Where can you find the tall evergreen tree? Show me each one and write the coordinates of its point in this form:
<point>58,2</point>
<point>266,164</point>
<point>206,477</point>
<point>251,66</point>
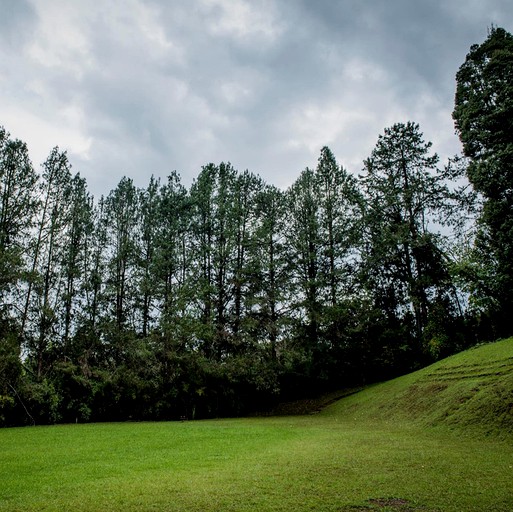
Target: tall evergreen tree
<point>95,267</point>
<point>406,195</point>
<point>203,214</point>
<point>18,201</point>
<point>483,115</point>
<point>223,255</point>
<point>221,209</point>
<point>305,244</point>
<point>339,211</point>
<point>43,293</point>
<point>172,267</point>
<point>268,276</point>
<point>122,210</point>
<point>323,231</point>
<point>149,199</point>
<point>339,205</point>
<point>79,226</point>
<point>246,188</point>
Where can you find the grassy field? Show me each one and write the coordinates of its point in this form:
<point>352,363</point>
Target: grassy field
<point>437,440</point>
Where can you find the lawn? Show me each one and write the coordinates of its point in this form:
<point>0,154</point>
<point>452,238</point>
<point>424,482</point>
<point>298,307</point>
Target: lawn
<point>291,463</point>
<point>378,450</point>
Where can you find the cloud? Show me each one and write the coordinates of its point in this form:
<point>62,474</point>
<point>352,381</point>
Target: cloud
<point>146,87</point>
<point>16,22</point>
<point>246,22</point>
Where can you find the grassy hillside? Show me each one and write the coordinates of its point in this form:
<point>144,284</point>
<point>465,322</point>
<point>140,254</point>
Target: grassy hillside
<point>470,391</point>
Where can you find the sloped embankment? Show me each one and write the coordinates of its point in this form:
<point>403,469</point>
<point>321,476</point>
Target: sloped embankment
<point>471,391</point>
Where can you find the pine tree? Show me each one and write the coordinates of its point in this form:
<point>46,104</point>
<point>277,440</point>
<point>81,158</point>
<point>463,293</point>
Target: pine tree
<point>78,229</point>
<point>268,271</point>
<point>122,211</point>
<point>18,203</point>
<point>42,298</point>
<point>406,194</point>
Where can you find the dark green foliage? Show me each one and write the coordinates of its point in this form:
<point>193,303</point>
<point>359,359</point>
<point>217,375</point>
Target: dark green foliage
<point>10,372</point>
<point>17,208</point>
<point>483,115</point>
<point>222,299</point>
<point>75,255</point>
<point>162,303</point>
<point>122,214</point>
<point>404,263</point>
<point>267,270</point>
<point>322,238</point>
<point>40,316</point>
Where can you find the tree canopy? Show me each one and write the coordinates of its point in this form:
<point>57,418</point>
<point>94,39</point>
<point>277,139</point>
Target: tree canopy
<point>483,115</point>
<point>231,295</point>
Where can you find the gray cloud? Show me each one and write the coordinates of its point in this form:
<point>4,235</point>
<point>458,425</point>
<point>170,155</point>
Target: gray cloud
<point>148,87</point>
<point>16,21</point>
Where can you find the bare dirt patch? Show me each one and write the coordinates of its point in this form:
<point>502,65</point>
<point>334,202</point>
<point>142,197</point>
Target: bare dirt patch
<point>386,505</point>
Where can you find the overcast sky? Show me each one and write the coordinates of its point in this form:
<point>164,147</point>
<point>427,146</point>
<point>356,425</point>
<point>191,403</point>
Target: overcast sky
<point>135,88</point>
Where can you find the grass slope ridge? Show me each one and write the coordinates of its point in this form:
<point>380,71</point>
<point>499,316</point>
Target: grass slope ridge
<point>471,391</point>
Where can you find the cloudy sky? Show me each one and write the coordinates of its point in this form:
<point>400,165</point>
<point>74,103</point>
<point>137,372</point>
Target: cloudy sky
<point>142,87</point>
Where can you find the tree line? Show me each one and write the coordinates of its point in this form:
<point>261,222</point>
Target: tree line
<point>228,296</point>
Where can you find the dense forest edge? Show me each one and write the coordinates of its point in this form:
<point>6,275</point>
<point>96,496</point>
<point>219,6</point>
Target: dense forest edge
<point>232,295</point>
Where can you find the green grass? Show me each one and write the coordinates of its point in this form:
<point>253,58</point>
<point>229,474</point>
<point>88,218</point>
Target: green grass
<point>405,445</point>
<point>470,392</point>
